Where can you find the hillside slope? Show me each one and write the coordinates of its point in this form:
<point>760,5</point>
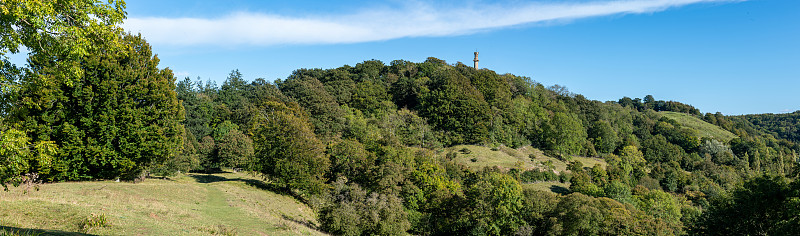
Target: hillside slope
<point>785,126</point>
<point>704,129</point>
<point>477,157</point>
<point>194,204</point>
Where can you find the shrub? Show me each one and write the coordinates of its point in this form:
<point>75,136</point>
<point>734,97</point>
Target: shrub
<point>94,221</point>
<point>536,175</point>
<point>451,155</point>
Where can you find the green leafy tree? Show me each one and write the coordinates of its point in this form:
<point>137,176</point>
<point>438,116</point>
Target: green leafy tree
<point>578,214</point>
<point>765,205</point>
<point>494,204</point>
<point>19,156</point>
<point>199,105</point>
<point>119,118</point>
<point>235,149</point>
<point>628,167</point>
<point>604,136</point>
<point>70,29</point>
<point>618,191</point>
<point>286,149</point>
<point>565,134</point>
<point>581,182</point>
<point>350,159</point>
<point>350,210</point>
<point>661,205</point>
<point>308,91</point>
<point>406,128</point>
<point>457,107</point>
<point>207,151</point>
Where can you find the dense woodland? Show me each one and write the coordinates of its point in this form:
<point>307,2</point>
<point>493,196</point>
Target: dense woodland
<point>363,145</point>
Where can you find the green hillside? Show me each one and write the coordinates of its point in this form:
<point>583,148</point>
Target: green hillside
<point>478,157</point>
<point>704,129</point>
<point>194,204</point>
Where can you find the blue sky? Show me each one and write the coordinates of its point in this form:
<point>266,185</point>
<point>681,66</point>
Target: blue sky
<point>735,57</point>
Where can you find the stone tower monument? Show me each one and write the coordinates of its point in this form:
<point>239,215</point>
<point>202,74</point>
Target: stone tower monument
<point>476,60</point>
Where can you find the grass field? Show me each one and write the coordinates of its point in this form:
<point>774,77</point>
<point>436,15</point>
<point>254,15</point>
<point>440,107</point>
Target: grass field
<point>552,186</point>
<point>704,129</point>
<point>506,158</point>
<point>194,204</point>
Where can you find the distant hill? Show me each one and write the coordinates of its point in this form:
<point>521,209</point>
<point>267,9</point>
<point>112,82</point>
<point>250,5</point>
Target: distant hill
<point>786,126</point>
<point>704,129</point>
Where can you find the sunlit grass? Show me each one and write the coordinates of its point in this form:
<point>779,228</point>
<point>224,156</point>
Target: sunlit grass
<point>704,129</point>
<point>195,204</point>
<point>506,158</point>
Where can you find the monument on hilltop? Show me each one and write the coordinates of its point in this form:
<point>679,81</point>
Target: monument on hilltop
<point>476,60</point>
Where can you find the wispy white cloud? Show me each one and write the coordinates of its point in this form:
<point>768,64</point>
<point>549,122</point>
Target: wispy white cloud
<point>416,19</point>
<point>181,74</point>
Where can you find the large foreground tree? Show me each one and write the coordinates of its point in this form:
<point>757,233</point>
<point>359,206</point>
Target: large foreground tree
<point>119,117</point>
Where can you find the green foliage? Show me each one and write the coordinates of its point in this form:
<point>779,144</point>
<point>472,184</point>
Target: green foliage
<point>350,210</point>
<point>71,29</point>
<point>582,183</point>
<point>286,149</point>
<point>582,215</point>
<point>780,125</point>
<point>627,168</point>
<point>658,149</point>
<point>207,152</point>
<point>604,136</point>
<point>494,203</point>
<point>530,176</point>
<point>326,115</point>
<point>764,205</point>
<point>719,152</point>
<point>187,160</point>
<point>235,149</point>
<point>455,105</point>
<point>200,108</point>
<point>95,221</point>
<point>618,191</point>
<point>660,205</point>
<point>14,152</point>
<point>538,206</point>
<point>408,129</point>
<point>119,118</point>
<point>351,160</point>
<point>565,134</point>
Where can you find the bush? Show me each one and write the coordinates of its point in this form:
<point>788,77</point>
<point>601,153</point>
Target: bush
<point>451,155</point>
<point>351,210</point>
<point>536,175</point>
<point>94,221</point>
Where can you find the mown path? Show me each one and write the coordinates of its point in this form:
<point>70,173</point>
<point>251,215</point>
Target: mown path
<point>219,209</point>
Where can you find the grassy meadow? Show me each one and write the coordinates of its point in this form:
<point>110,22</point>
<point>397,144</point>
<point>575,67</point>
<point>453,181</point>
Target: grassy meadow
<point>193,204</point>
<point>704,129</point>
<point>478,157</point>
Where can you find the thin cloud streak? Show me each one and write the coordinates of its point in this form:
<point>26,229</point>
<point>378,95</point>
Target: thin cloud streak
<point>416,19</point>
